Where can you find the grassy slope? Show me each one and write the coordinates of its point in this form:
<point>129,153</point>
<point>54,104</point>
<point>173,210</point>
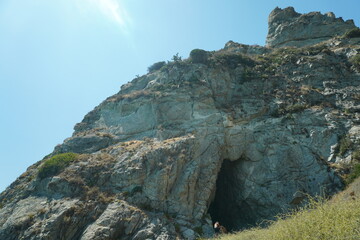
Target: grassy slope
<point>338,218</point>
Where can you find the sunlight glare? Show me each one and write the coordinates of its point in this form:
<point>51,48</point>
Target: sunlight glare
<point>113,10</point>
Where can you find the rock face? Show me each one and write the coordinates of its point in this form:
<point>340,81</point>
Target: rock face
<point>239,138</point>
<point>289,28</point>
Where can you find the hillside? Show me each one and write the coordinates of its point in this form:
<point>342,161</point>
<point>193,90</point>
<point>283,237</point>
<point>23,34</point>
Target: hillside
<point>337,218</point>
<point>237,135</point>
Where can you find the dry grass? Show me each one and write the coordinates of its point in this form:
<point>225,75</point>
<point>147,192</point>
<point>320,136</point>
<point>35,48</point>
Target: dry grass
<point>321,220</point>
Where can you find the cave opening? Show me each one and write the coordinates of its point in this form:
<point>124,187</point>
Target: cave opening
<point>228,207</point>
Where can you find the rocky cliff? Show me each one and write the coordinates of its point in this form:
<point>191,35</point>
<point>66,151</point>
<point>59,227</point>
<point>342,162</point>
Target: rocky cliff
<point>289,28</point>
<point>236,135</point>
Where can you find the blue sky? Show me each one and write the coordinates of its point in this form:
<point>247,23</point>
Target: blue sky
<point>61,58</point>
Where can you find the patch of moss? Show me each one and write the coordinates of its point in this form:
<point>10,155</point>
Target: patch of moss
<point>56,164</point>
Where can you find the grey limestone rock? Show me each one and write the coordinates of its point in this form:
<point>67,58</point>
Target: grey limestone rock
<point>238,139</point>
<point>289,28</point>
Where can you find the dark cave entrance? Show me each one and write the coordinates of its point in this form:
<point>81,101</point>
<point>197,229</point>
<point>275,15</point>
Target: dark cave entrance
<point>228,208</point>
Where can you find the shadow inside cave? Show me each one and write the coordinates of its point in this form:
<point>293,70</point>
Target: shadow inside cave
<point>228,207</point>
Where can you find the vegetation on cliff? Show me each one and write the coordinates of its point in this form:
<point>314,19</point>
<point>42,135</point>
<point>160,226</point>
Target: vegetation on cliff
<point>55,164</point>
<point>337,218</point>
<point>353,33</point>
<point>232,136</point>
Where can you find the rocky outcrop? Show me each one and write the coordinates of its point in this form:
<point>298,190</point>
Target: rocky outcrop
<point>239,138</point>
<point>289,28</point>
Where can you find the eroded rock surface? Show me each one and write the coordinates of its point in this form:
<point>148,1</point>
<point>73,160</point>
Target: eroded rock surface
<point>289,28</point>
<point>239,138</point>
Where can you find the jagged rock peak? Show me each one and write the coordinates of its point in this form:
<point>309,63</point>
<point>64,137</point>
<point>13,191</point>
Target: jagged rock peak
<point>290,28</point>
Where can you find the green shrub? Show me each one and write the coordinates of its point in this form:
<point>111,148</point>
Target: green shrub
<point>356,155</point>
<point>198,56</point>
<point>232,60</point>
<point>95,194</point>
<point>353,33</point>
<point>146,206</point>
<point>199,230</point>
<point>247,74</point>
<point>176,58</point>
<point>156,66</point>
<point>193,78</point>
<point>177,227</point>
<point>354,174</point>
<point>355,60</point>
<point>344,145</point>
<point>56,164</point>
